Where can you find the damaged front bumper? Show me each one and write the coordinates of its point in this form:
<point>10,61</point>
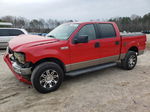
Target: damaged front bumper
<point>18,71</point>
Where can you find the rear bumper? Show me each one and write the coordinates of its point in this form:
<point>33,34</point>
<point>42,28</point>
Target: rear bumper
<point>15,70</point>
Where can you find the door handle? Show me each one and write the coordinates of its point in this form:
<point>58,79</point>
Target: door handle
<point>97,44</point>
<point>117,42</point>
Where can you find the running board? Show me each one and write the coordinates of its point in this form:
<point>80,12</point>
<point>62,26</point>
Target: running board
<point>90,69</point>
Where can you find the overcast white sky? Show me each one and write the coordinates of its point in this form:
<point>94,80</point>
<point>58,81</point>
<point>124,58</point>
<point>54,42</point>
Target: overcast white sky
<point>82,10</point>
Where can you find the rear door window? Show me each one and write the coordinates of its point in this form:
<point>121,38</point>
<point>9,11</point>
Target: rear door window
<point>14,32</point>
<point>106,30</point>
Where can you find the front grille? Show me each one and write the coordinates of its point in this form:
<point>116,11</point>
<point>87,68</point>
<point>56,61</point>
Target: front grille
<point>11,54</point>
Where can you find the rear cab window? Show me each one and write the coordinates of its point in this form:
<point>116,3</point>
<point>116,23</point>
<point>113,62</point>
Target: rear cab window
<point>106,30</point>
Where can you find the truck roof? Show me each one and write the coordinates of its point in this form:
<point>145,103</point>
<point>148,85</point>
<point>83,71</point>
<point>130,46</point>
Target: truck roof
<point>91,22</point>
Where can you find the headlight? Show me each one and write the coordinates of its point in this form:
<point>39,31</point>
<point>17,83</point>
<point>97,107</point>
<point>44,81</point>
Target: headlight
<point>20,57</point>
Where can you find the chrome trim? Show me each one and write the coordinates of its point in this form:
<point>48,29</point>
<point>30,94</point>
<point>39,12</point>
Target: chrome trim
<point>75,66</point>
<point>89,63</point>
<point>22,71</point>
<point>64,48</point>
<point>141,52</point>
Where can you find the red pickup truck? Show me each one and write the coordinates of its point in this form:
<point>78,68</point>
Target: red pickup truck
<point>71,49</point>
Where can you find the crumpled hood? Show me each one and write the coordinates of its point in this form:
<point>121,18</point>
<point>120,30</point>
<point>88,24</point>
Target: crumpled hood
<point>29,41</point>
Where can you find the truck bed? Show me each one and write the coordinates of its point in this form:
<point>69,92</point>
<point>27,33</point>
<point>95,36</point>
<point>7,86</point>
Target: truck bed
<point>131,34</point>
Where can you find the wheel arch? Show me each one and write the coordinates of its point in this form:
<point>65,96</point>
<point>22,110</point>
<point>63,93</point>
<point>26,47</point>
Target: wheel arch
<point>51,59</point>
<point>134,48</point>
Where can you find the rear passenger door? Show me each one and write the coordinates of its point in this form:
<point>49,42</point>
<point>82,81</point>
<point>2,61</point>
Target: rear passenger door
<point>109,42</point>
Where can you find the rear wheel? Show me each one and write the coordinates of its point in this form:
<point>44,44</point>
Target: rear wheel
<point>130,60</point>
<point>47,77</point>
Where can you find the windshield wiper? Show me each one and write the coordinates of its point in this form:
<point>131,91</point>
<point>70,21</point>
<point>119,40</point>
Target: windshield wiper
<point>51,36</point>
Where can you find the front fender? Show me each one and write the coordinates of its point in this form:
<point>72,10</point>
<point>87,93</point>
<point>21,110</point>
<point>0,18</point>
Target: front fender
<point>35,56</point>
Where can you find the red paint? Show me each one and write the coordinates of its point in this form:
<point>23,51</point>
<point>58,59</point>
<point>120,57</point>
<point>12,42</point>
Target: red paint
<point>19,77</point>
<point>37,48</point>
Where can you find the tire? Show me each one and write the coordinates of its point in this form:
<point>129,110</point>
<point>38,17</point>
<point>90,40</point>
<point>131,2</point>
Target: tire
<point>47,77</point>
<point>130,60</point>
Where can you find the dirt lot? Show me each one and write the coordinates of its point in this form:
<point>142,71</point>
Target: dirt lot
<point>109,90</point>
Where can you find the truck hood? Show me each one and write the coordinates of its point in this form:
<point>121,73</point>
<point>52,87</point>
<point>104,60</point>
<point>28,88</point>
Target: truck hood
<point>29,41</point>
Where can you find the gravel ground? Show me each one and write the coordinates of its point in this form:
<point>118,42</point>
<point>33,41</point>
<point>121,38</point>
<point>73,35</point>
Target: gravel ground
<point>108,90</point>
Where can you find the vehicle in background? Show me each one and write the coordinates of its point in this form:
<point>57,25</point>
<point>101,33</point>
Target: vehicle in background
<point>5,24</point>
<point>6,34</point>
<point>71,49</point>
<point>44,34</point>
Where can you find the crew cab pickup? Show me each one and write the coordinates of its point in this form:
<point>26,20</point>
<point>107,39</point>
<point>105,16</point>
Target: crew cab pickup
<point>71,49</point>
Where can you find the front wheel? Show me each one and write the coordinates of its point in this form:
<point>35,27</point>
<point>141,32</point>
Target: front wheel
<point>47,77</point>
<point>130,60</point>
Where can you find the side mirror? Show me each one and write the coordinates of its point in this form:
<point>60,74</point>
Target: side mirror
<point>81,39</point>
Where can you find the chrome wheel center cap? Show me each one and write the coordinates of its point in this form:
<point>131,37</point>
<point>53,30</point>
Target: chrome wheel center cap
<point>49,78</point>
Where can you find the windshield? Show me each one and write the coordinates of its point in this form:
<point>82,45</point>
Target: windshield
<point>63,31</point>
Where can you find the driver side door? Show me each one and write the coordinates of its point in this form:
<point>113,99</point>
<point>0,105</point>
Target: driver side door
<point>83,54</point>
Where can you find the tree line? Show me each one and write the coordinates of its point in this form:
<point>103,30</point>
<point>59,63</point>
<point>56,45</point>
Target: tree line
<point>34,25</point>
<point>134,23</point>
